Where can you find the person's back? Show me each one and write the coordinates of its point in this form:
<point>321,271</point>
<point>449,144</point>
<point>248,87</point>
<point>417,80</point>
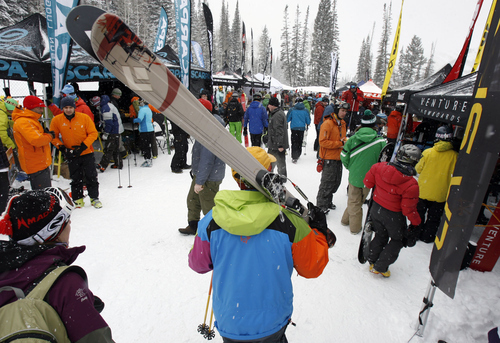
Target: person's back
<point>393,124</point>
<point>298,117</point>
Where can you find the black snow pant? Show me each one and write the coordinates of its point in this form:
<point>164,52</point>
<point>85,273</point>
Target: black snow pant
<point>112,151</point>
<point>297,139</point>
<point>256,139</point>
<point>4,190</point>
<point>179,160</point>
<point>388,241</point>
<point>331,176</point>
<point>429,226</point>
<point>82,170</point>
<point>146,141</point>
<point>278,337</point>
<point>316,141</point>
<point>41,179</point>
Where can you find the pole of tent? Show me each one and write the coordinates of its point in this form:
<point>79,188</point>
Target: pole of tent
<point>426,308</point>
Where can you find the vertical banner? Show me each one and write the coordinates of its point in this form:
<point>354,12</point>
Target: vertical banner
<point>251,33</point>
<point>475,165</point>
<point>243,48</point>
<point>56,12</point>
<point>161,35</point>
<point>458,67</point>
<point>394,54</point>
<point>266,57</point>
<point>271,62</point>
<point>333,72</point>
<point>183,25</point>
<point>209,22</point>
<point>483,40</point>
<point>198,52</point>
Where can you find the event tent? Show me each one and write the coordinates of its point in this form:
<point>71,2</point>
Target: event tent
<point>371,90</point>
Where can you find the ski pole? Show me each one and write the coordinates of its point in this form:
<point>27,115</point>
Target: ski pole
<point>119,179</point>
<point>210,332</point>
<point>202,328</point>
<point>129,185</point>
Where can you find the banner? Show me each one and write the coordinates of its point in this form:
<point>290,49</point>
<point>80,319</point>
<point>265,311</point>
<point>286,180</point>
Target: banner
<point>394,55</point>
<point>243,48</point>
<point>483,40</point>
<point>475,165</point>
<point>458,67</point>
<point>161,35</point>
<point>271,61</point>
<point>56,12</point>
<point>198,52</point>
<point>333,72</point>
<point>251,32</point>
<point>209,22</point>
<point>183,25</point>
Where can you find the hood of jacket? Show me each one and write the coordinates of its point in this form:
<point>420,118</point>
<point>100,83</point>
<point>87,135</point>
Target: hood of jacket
<point>300,106</point>
<point>244,213</point>
<point>255,104</point>
<point>25,113</point>
<point>366,134</point>
<point>442,146</point>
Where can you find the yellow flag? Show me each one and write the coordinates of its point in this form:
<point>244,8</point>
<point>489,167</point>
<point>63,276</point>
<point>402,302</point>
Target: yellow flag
<point>394,55</point>
<point>483,40</point>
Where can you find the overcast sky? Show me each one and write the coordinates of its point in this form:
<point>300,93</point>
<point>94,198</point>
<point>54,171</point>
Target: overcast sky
<point>442,22</point>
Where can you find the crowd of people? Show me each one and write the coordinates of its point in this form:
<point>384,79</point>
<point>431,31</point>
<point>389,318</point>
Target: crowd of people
<point>351,133</point>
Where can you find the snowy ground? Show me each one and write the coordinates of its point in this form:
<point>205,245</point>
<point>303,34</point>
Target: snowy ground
<point>136,261</point>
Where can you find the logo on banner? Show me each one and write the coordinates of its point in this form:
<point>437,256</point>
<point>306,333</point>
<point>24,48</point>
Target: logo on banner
<point>163,34</point>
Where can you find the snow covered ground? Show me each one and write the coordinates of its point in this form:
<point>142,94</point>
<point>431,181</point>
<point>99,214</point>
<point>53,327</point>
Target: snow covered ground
<point>136,261</point>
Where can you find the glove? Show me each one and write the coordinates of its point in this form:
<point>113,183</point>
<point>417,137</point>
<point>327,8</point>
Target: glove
<point>104,136</point>
<point>52,133</point>
<point>78,149</point>
<point>319,167</point>
<point>410,236</point>
<point>64,152</point>
<point>245,131</point>
<point>317,220</point>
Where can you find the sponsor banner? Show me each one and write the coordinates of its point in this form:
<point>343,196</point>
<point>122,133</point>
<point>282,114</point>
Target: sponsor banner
<point>394,55</point>
<point>161,35</point>
<point>183,25</point>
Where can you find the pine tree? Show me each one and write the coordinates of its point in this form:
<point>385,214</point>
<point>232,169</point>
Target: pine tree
<point>263,51</point>
<point>364,61</point>
<point>322,44</point>
<point>285,48</point>
<point>429,68</point>
<point>383,49</point>
<point>303,52</point>
<point>235,41</point>
<point>409,68</point>
<point>295,46</point>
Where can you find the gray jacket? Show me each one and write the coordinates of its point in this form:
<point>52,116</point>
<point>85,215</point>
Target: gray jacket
<point>277,130</point>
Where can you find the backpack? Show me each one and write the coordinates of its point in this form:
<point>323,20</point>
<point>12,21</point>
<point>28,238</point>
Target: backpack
<point>30,319</point>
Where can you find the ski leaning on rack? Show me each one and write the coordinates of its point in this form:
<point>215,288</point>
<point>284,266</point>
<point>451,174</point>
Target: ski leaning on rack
<point>125,55</point>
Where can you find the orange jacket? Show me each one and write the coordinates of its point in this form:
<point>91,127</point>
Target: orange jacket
<point>331,136</point>
<point>33,145</point>
<point>80,129</point>
<point>393,124</point>
<point>80,106</point>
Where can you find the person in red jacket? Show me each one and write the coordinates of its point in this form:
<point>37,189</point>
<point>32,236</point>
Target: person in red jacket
<point>318,114</point>
<point>394,123</point>
<point>395,196</point>
<point>355,98</point>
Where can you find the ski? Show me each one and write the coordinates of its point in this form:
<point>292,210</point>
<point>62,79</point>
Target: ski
<point>79,25</point>
<point>125,55</point>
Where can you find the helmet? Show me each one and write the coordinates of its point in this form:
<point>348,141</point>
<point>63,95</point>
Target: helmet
<point>399,108</point>
<point>220,88</point>
<point>444,133</point>
<point>344,105</point>
<point>408,154</point>
<point>95,101</point>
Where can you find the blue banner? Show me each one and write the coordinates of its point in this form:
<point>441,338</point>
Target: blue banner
<point>198,52</point>
<point>161,35</point>
<point>183,25</point>
<point>59,42</point>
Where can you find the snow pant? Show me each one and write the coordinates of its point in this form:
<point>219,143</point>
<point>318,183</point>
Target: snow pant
<point>277,337</point>
<point>112,151</point>
<point>82,170</point>
<point>331,176</point>
<point>256,139</point>
<point>154,145</point>
<point>297,138</point>
<point>352,120</point>
<point>203,201</point>
<point>429,226</point>
<point>146,139</point>
<point>235,129</point>
<point>353,214</point>
<point>179,160</point>
<point>316,141</point>
<point>41,179</point>
<point>4,190</point>
<point>388,241</point>
<point>280,161</point>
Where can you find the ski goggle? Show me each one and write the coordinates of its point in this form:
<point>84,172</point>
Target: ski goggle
<point>344,106</point>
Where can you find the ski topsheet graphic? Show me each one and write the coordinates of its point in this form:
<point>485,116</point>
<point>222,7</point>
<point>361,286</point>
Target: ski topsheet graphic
<point>130,61</point>
<point>79,24</point>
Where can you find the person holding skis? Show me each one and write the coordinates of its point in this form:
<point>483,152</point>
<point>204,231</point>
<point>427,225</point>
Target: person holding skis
<point>360,152</point>
<point>299,120</point>
<point>277,135</point>
<point>256,120</point>
<point>41,246</point>
<point>234,113</point>
<point>395,197</point>
<point>252,245</point>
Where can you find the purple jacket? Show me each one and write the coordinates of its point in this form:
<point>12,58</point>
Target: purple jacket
<point>69,295</point>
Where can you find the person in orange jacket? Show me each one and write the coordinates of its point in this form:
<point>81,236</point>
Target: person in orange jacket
<point>33,142</point>
<point>78,133</point>
<point>80,105</point>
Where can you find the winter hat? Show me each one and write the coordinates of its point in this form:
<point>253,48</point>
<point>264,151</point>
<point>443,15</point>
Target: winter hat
<point>10,104</point>
<point>257,97</point>
<point>67,101</point>
<point>325,99</point>
<point>116,91</point>
<point>274,102</point>
<point>368,119</point>
<point>206,103</point>
<point>260,155</point>
<point>68,89</point>
<point>299,100</point>
<point>36,217</point>
<point>95,100</point>
<point>31,102</point>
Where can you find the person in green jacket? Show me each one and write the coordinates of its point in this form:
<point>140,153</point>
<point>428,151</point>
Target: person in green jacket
<point>6,108</point>
<point>360,152</point>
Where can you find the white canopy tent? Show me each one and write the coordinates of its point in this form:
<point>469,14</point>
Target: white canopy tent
<point>371,90</point>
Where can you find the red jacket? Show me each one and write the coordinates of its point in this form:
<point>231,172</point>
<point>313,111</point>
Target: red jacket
<point>348,96</point>
<point>395,191</point>
<point>393,124</point>
<point>318,112</point>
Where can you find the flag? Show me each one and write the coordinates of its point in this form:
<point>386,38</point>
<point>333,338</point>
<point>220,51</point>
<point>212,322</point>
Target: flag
<point>394,54</point>
<point>183,25</point>
<point>198,52</point>
<point>458,67</point>
<point>333,72</point>
<point>483,40</point>
<point>243,48</point>
<point>209,22</point>
<point>475,165</point>
<point>161,35</point>
<point>56,12</point>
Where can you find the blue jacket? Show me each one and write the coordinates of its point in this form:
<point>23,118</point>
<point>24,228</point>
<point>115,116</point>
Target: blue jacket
<point>256,118</point>
<point>145,119</point>
<point>110,116</point>
<point>299,117</point>
<point>328,110</point>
